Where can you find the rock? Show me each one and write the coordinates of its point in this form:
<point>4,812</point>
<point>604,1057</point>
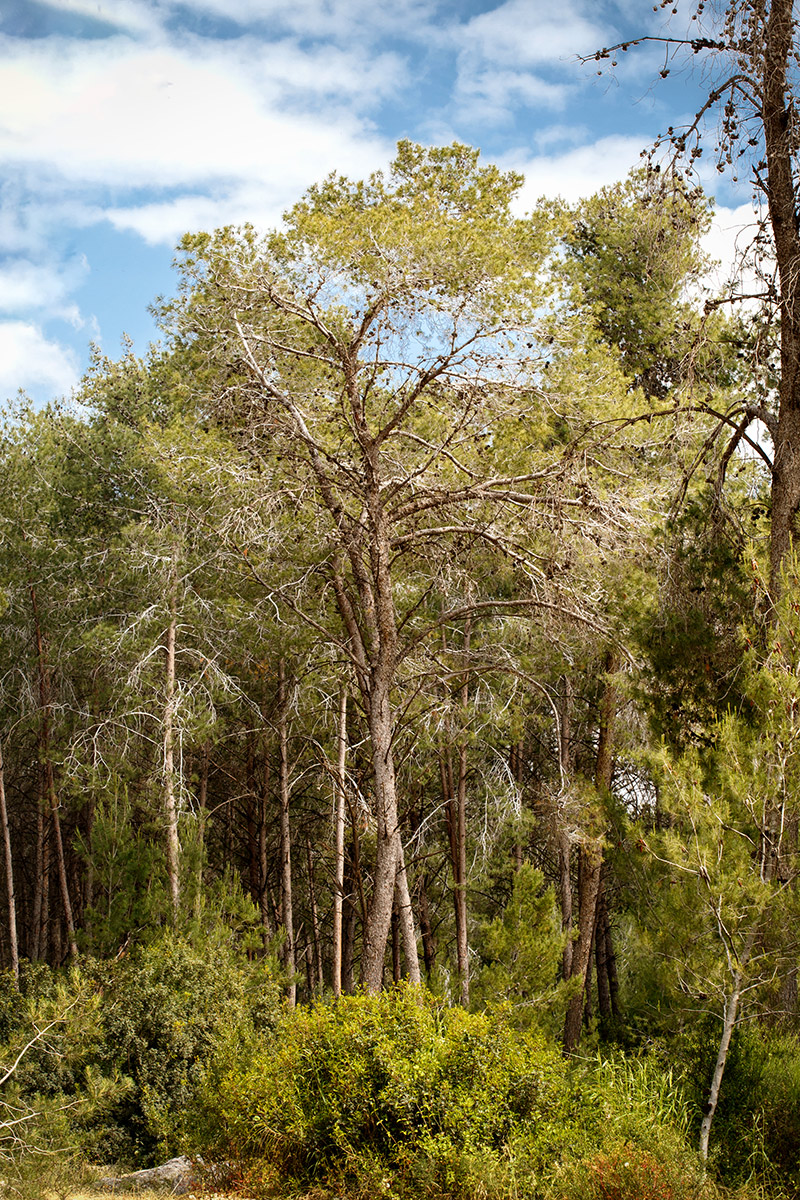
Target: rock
<point>177,1176</point>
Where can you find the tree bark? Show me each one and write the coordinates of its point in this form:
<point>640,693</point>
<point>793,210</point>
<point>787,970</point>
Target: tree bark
<point>266,922</point>
<point>286,850</point>
<point>406,918</point>
<point>45,701</point>
<point>312,900</point>
<point>564,844</point>
<point>782,201</point>
<point>170,803</point>
<point>590,865</point>
<point>9,864</point>
<point>460,861</point>
<point>339,822</point>
<point>379,915</point>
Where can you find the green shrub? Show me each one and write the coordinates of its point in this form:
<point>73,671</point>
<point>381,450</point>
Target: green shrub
<point>399,1095</point>
<point>391,1092</point>
<point>755,1136</point>
<point>167,1009</point>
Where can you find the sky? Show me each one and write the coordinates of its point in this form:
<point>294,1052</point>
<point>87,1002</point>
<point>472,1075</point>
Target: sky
<point>126,123</point>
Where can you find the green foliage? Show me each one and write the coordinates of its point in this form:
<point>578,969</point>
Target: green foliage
<point>395,1086</point>
<point>397,1094</point>
<point>757,1124</point>
<point>166,1010</point>
<point>633,248</point>
<point>522,951</point>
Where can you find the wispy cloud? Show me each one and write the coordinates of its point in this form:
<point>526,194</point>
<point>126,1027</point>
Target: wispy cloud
<point>578,172</point>
<point>114,113</point>
<point>507,56</point>
<point>33,363</point>
<point>27,286</point>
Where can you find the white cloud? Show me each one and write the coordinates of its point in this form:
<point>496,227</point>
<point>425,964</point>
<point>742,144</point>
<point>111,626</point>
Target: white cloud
<point>114,113</point>
<point>500,51</point>
<point>27,286</point>
<point>136,15</point>
<point>728,243</point>
<point>578,172</point>
<point>28,360</point>
<point>519,33</point>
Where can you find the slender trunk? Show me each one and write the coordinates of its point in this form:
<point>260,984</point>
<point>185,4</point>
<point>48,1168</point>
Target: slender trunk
<point>312,900</point>
<point>170,804</point>
<point>379,915</point>
<point>611,966</point>
<point>62,869</point>
<point>202,805</point>
<point>397,973</point>
<point>43,939</point>
<point>590,863</point>
<point>564,844</point>
<point>339,819</point>
<point>515,766</point>
<point>35,931</point>
<point>426,928</point>
<point>601,958</point>
<point>348,928</point>
<point>308,958</point>
<point>49,773</point>
<point>286,851</point>
<point>12,904</point>
<point>406,918</point>
<point>565,897</point>
<point>460,863</point>
<point>729,1017</point>
<point>778,125</point>
<point>266,922</point>
<point>252,823</point>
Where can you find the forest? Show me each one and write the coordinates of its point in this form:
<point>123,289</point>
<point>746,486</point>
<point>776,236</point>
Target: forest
<point>400,698</point>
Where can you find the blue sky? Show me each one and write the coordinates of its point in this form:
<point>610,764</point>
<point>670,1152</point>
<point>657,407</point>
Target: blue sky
<point>124,123</point>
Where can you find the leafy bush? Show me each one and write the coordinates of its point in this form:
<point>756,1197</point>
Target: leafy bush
<point>390,1092</point>
<point>166,1010</point>
<point>399,1095</point>
<point>756,1130</point>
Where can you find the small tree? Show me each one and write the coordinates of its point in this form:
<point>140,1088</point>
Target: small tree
<point>731,847</point>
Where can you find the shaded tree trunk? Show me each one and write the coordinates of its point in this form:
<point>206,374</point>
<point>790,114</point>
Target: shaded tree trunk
<point>286,850</point>
<point>9,865</point>
<point>170,803</point>
<point>339,823</point>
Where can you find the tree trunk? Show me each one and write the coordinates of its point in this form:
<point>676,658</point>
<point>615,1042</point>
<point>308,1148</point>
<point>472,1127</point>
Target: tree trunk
<point>12,903</point>
<point>348,928</point>
<point>590,863</point>
<point>286,850</point>
<point>460,861</point>
<point>266,922</point>
<point>339,820</point>
<point>49,773</point>
<point>406,917</point>
<point>379,915</point>
<point>397,973</point>
<point>782,205</point>
<point>564,844</point>
<point>170,804</point>
<point>312,900</point>
<point>426,928</point>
